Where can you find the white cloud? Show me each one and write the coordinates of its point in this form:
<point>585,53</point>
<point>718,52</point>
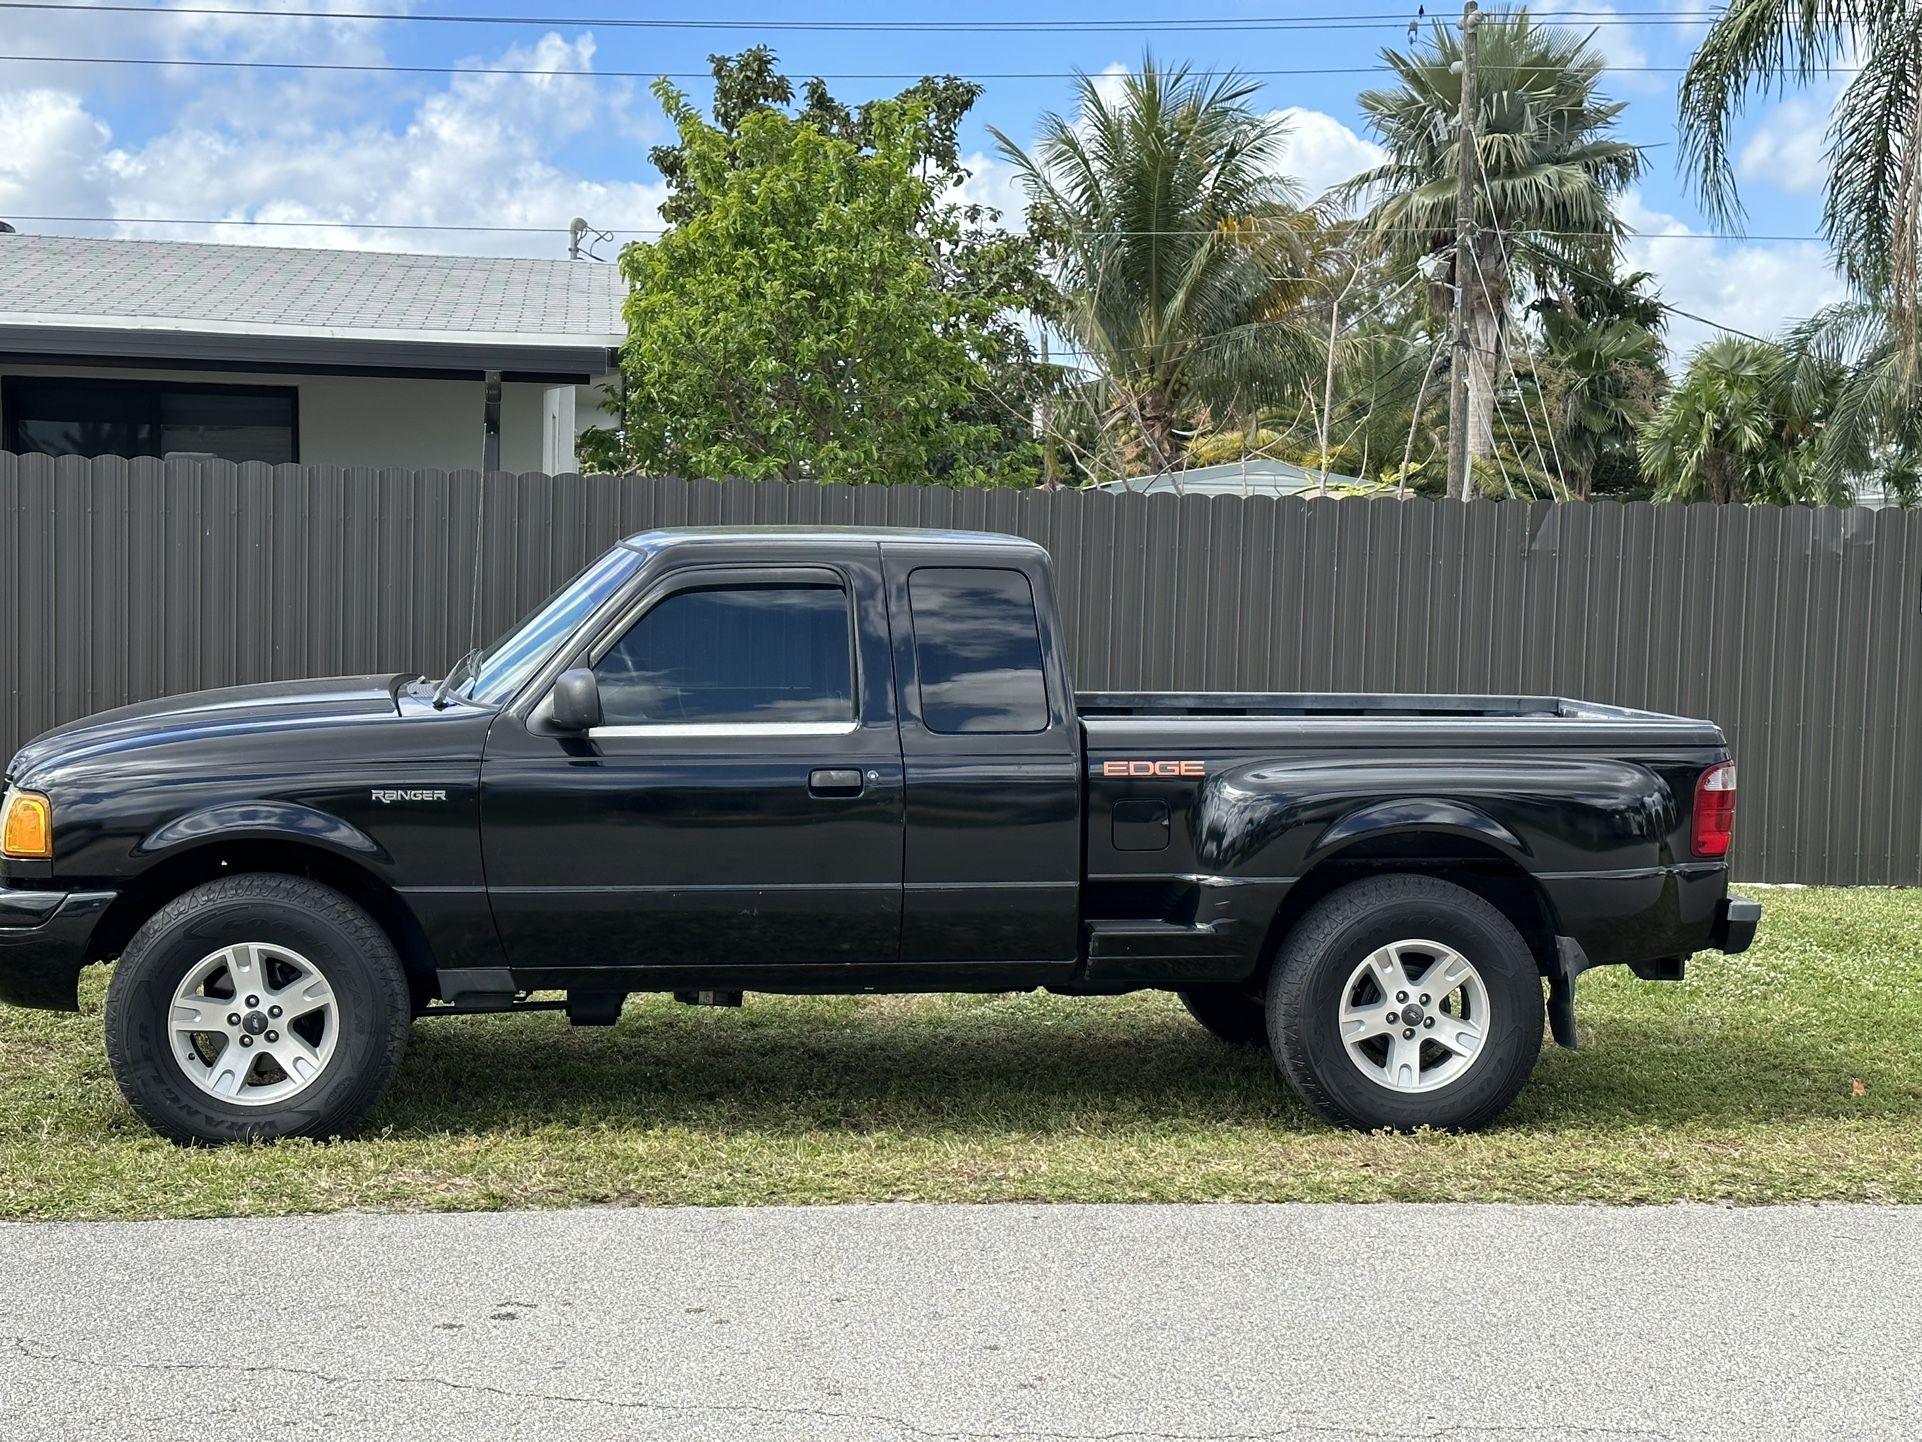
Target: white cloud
<point>1111,83</point>
<point>1322,152</point>
<point>1787,148</point>
<point>476,150</point>
<point>52,155</point>
<point>1755,287</point>
<point>992,182</point>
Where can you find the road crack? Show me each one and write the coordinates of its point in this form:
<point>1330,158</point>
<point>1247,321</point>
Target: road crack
<point>31,1350</point>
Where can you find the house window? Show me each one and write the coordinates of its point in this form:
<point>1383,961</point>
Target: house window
<point>82,416</point>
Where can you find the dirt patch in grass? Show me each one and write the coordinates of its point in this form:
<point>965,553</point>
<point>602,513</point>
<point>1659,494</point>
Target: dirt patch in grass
<point>1793,1072</point>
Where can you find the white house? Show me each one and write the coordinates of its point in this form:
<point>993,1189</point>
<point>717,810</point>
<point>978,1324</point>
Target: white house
<point>331,357</point>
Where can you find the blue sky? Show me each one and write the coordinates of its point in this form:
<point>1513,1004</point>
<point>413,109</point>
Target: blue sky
<point>136,143</point>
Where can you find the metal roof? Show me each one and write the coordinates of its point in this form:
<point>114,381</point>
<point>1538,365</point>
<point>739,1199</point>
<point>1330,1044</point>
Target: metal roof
<point>244,303</point>
<point>1259,476</point>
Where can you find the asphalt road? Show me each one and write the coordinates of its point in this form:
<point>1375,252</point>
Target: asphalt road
<point>912,1322</point>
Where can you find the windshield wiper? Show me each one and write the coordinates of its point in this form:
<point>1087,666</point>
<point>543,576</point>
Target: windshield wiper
<point>451,679</point>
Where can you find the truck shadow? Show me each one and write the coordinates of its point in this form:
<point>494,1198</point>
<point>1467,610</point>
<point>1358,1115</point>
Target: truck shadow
<point>962,1066</point>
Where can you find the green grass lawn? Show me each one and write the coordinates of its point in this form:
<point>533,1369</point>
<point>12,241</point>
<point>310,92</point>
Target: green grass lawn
<point>1793,1072</point>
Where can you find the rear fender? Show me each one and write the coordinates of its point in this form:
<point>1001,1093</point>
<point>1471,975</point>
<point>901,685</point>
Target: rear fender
<point>1416,815</point>
<point>1544,814</point>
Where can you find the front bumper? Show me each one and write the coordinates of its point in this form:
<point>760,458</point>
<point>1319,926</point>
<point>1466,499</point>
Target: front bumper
<point>46,937</point>
<point>1735,922</point>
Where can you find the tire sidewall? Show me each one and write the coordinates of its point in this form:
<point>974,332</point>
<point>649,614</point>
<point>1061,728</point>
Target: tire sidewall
<point>140,1041</point>
<point>1311,1035</point>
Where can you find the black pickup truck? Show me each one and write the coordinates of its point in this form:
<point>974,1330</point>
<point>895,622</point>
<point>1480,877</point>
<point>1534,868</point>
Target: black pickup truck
<point>814,760</point>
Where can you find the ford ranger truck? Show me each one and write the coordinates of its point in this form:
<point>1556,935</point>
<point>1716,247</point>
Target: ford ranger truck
<point>807,760</point>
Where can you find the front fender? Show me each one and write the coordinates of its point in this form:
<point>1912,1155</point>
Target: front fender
<point>260,821</point>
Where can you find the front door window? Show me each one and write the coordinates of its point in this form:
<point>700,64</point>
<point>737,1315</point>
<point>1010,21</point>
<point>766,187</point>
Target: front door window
<point>734,655</point>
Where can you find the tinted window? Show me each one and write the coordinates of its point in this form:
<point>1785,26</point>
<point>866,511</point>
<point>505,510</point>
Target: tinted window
<point>80,417</point>
<point>733,654</point>
<point>977,647</point>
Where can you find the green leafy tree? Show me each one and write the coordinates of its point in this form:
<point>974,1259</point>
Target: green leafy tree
<point>1742,425</point>
<point>1548,172</point>
<point>1176,247</point>
<point>823,307</point>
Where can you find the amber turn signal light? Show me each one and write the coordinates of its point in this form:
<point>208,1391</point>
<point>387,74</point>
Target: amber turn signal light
<point>26,827</point>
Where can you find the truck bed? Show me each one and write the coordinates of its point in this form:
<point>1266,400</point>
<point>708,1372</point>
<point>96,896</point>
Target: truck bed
<point>1343,703</point>
<point>1236,719</point>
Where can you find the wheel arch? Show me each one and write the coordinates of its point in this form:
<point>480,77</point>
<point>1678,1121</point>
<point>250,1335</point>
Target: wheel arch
<point>187,865</point>
<point>1467,860</point>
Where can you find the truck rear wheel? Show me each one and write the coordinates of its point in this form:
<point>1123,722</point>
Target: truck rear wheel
<point>1238,1015</point>
<point>256,1007</point>
<point>1403,1002</point>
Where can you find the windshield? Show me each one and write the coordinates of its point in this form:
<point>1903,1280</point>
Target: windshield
<point>505,666</point>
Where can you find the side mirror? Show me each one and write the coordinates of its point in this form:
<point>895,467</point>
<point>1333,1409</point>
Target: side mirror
<point>577,700</point>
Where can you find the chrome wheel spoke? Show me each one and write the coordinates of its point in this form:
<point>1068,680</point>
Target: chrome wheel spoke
<point>228,1073</point>
<point>244,967</point>
<point>1443,977</point>
<point>1460,1035</point>
<point>1361,1023</point>
<point>299,1060</point>
<point>1404,1062</point>
<point>302,997</point>
<point>1386,968</point>
<point>201,1013</point>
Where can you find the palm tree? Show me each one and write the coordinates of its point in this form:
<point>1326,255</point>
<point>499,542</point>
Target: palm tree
<point>1872,209</point>
<point>1175,233</point>
<point>1743,425</point>
<point>1600,371</point>
<point>1850,354</point>
<point>1547,174</point>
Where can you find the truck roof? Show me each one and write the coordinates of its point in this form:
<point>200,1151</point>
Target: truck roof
<point>775,535</point>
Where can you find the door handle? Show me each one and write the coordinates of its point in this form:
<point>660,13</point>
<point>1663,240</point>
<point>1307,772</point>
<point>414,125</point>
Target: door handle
<point>834,781</point>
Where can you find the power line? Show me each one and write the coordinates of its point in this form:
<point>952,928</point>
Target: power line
<point>1349,20</point>
<point>1564,261</point>
<point>369,68</point>
<point>384,69</point>
<point>320,223</point>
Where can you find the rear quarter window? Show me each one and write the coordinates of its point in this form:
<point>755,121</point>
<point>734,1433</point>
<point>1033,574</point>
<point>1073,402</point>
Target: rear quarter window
<point>977,650</point>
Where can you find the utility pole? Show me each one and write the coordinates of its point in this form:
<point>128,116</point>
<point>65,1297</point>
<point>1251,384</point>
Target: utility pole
<point>1048,482</point>
<point>1461,484</point>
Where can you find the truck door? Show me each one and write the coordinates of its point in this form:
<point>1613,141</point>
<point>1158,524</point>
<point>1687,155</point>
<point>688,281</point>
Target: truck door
<point>992,756</point>
<point>740,805</point>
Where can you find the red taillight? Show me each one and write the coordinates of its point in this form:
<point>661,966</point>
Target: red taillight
<point>1715,810</point>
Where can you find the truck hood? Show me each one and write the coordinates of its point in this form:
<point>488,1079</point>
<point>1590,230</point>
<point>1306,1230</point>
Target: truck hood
<point>272,706</point>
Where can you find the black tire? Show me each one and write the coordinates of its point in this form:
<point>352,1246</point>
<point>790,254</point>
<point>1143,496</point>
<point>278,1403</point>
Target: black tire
<point>1311,972</point>
<point>334,935</point>
<point>1237,1015</point>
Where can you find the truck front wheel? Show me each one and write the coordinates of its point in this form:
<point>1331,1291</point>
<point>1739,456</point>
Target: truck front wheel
<point>255,1007</point>
<point>1403,1002</point>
